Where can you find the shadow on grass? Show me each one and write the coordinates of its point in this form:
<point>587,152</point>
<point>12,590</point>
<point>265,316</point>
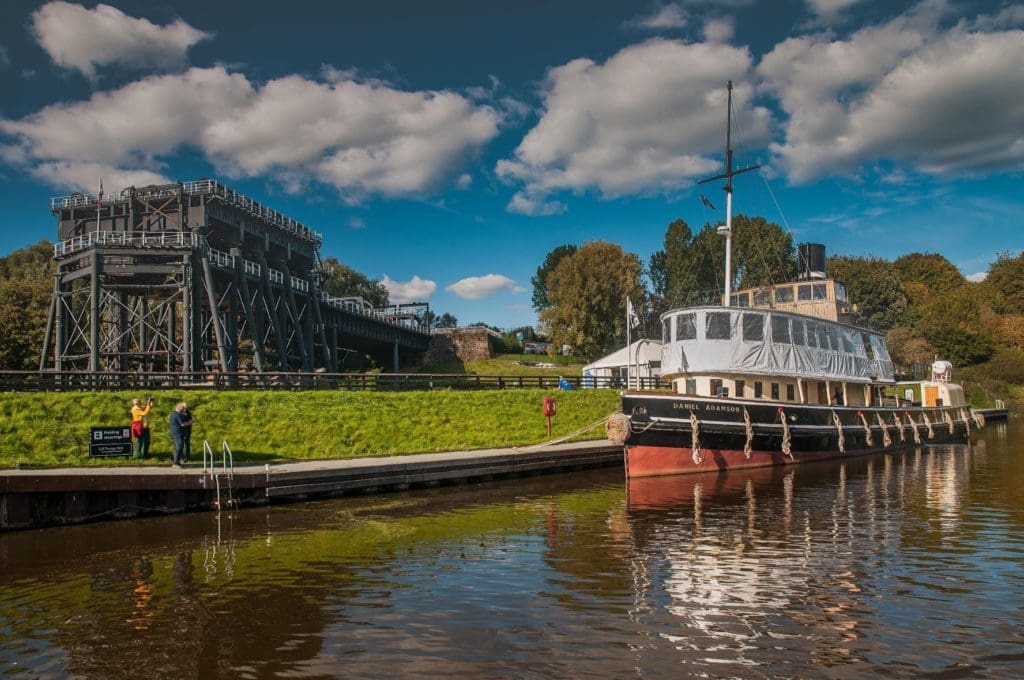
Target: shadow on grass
<point>449,367</point>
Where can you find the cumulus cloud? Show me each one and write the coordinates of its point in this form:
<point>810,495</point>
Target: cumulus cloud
<point>903,91</point>
<point>84,39</point>
<point>361,137</point>
<point>526,205</point>
<point>645,121</point>
<point>977,277</point>
<point>719,30</point>
<point>829,10</point>
<point>479,287</point>
<point>356,223</point>
<point>666,16</point>
<point>413,290</point>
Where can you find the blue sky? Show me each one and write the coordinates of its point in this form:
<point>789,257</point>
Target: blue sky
<point>446,147</point>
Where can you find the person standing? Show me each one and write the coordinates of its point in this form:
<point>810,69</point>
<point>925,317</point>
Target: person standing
<point>179,421</point>
<point>140,426</point>
<point>186,435</point>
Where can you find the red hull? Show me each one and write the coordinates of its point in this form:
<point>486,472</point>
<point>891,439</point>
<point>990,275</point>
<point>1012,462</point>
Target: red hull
<point>652,461</point>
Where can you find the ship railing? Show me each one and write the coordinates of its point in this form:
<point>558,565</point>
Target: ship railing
<point>132,239</point>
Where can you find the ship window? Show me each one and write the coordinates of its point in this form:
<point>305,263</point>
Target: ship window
<point>847,343</point>
<point>691,386</point>
<point>762,297</point>
<point>784,294</point>
<point>717,390</point>
<point>740,387</point>
<point>812,337</point>
<point>740,299</point>
<point>758,389</point>
<point>753,327</point>
<point>717,326</point>
<point>790,394</point>
<point>775,391</point>
<point>820,291</point>
<point>833,335</point>
<point>686,327</point>
<point>840,291</point>
<point>868,351</point>
<point>803,292</point>
<point>823,337</point>
<point>666,330</point>
<point>798,332</point>
<point>780,329</point>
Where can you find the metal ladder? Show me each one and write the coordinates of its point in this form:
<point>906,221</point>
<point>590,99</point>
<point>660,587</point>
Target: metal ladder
<point>227,471</point>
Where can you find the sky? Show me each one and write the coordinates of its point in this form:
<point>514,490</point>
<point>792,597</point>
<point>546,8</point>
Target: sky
<point>444,148</point>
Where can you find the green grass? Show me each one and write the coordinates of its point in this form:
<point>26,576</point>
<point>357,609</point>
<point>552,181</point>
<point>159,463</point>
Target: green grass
<point>52,429</point>
<point>510,364</point>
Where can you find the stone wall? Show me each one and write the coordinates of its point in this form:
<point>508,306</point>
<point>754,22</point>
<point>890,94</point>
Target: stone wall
<point>458,344</point>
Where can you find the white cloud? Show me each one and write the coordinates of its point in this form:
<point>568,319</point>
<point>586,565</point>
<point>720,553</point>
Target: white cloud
<point>719,30</point>
<point>977,277</point>
<point>361,137</point>
<point>413,290</point>
<point>356,223</point>
<point>666,16</point>
<point>464,181</point>
<point>647,120</point>
<point>829,10</point>
<point>84,39</point>
<point>903,91</point>
<point>479,287</point>
<point>525,205</point>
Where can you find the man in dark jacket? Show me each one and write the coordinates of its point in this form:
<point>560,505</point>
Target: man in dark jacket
<point>179,422</point>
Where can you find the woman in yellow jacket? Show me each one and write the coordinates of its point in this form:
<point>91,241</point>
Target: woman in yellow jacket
<point>140,426</point>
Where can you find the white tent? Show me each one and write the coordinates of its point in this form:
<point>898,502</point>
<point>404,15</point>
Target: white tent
<point>646,353</point>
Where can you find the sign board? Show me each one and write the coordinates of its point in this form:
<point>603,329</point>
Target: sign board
<point>105,442</point>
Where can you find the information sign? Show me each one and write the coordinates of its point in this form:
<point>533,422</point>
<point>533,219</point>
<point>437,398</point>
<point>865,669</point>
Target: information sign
<point>105,442</point>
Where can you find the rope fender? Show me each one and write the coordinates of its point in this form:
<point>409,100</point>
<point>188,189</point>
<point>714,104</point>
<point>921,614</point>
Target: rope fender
<point>979,418</point>
<point>886,439</point>
<point>868,438</point>
<point>787,446</point>
<point>967,421</point>
<point>948,417</point>
<point>928,423</point>
<point>749,429</point>
<point>695,439</point>
<point>913,425</point>
<point>899,424</point>
<point>839,428</point>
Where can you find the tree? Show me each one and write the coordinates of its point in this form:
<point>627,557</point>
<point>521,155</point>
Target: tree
<point>907,349</point>
<point>954,324</point>
<point>1006,276</point>
<point>343,281</point>
<point>587,293</point>
<point>925,275</point>
<point>446,320</point>
<point>689,270</point>
<point>540,279</point>
<point>873,288</point>
<point>26,287</point>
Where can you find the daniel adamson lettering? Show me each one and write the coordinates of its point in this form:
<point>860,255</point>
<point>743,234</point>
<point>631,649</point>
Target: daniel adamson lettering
<point>721,408</point>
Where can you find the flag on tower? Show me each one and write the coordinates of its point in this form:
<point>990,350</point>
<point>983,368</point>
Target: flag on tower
<point>705,201</point>
<point>631,314</point>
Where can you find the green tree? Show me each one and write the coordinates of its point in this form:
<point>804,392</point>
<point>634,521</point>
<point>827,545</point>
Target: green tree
<point>26,288</point>
<point>873,288</point>
<point>540,279</point>
<point>587,292</point>
<point>446,320</point>
<point>343,281</point>
<point>927,275</point>
<point>1006,276</point>
<point>763,253</point>
<point>955,325</point>
<point>907,349</point>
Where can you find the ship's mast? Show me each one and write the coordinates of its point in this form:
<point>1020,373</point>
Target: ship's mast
<point>727,176</point>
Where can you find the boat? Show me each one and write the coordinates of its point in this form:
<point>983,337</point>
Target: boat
<point>779,375</point>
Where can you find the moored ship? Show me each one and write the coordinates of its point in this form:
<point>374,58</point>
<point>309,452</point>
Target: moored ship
<point>779,375</point>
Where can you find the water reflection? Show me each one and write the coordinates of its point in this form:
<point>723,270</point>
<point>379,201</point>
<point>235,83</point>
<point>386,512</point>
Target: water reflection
<point>901,564</point>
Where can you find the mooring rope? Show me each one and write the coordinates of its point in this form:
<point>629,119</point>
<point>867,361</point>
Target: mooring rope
<point>899,424</point>
<point>913,425</point>
<point>886,439</point>
<point>567,437</point>
<point>839,428</point>
<point>749,429</point>
<point>787,446</point>
<point>868,438</point>
<point>695,439</point>
<point>928,424</point>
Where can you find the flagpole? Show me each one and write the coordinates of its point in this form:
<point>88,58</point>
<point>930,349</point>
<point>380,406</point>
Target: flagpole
<point>628,322</point>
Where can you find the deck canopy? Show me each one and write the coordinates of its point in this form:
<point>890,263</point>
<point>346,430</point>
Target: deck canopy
<point>729,340</point>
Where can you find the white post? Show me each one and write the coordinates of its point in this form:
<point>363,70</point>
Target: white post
<point>728,246</point>
<point>628,329</point>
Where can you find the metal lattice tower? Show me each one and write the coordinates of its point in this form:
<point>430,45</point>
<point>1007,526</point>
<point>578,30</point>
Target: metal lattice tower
<point>194,276</point>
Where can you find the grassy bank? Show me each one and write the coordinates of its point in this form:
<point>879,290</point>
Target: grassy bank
<point>513,364</point>
<point>52,429</point>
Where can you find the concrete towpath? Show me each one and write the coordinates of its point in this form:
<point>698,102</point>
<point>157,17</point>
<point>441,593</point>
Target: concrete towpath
<point>36,498</point>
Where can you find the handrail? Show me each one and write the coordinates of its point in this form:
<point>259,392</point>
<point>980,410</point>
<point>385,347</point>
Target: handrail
<point>207,450</point>
<point>225,457</point>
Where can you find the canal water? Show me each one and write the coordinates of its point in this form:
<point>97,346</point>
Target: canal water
<point>902,565</point>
